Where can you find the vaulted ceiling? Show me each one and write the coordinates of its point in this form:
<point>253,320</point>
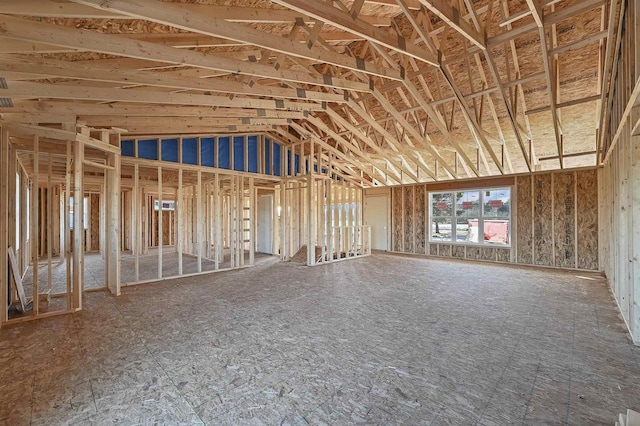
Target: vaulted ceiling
<point>416,90</point>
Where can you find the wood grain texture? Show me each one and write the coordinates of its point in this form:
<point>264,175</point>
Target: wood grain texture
<point>523,229</point>
<point>473,252</point>
<point>543,232</point>
<point>433,249</point>
<point>488,253</point>
<point>587,212</point>
<point>503,255</point>
<point>445,250</point>
<point>564,219</point>
<point>408,212</point>
<point>458,251</point>
<point>396,218</point>
<point>95,221</point>
<point>420,219</point>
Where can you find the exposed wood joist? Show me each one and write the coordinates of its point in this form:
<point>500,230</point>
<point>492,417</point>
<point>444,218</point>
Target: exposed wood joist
<point>205,22</point>
<point>22,29</point>
<point>343,20</point>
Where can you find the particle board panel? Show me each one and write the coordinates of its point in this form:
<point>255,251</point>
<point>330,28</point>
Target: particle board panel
<point>587,219</point>
<point>445,250</point>
<point>458,251</point>
<point>543,229</point>
<point>433,249</point>
<point>420,219</point>
<point>564,219</point>
<point>523,219</point>
<point>407,193</point>
<point>396,217</point>
<point>488,253</point>
<point>503,255</point>
<point>95,221</point>
<point>473,252</point>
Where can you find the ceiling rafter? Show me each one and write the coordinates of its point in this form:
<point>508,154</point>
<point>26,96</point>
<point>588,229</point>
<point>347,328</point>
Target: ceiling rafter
<point>22,29</point>
<point>550,75</point>
<point>208,23</point>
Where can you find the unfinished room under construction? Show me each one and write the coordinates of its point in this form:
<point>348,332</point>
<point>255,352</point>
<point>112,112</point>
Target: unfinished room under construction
<point>306,212</point>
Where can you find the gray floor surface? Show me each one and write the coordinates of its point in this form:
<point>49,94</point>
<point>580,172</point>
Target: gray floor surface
<point>379,340</point>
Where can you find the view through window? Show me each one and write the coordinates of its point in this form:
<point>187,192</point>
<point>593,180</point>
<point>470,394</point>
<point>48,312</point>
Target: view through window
<point>480,216</point>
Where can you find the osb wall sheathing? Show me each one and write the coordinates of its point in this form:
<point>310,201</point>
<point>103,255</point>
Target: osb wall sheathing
<point>542,219</point>
<point>420,219</point>
<point>587,219</point>
<point>409,210</point>
<point>523,231</point>
<point>564,219</point>
<point>94,210</point>
<point>396,218</point>
<point>562,205</point>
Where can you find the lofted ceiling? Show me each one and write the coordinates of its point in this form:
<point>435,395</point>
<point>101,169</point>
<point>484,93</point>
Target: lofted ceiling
<point>415,90</point>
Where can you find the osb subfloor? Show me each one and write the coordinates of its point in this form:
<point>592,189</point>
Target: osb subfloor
<point>381,340</point>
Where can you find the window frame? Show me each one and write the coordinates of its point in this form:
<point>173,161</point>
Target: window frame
<point>481,217</point>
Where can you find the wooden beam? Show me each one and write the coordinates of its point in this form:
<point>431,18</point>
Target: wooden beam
<point>51,68</point>
<point>550,76</point>
<point>22,29</point>
<point>26,90</point>
<point>452,16</point>
<point>84,109</point>
<point>208,23</point>
<point>343,20</point>
<point>55,9</point>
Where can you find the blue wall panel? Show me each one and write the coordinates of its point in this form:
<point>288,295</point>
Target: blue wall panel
<point>207,148</point>
<point>169,150</point>
<point>252,147</point>
<point>127,148</point>
<point>223,153</point>
<point>267,156</point>
<point>190,150</point>
<point>238,153</point>
<point>148,149</point>
<point>276,160</point>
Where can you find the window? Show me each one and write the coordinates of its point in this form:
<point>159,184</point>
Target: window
<point>471,217</point>
<point>166,205</point>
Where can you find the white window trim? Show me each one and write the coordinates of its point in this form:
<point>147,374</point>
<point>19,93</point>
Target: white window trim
<point>481,218</point>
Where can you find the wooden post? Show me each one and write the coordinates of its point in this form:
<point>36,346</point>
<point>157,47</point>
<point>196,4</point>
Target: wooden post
<point>49,226</point>
<point>179,218</point>
<point>113,218</point>
<point>4,224</point>
<point>251,222</point>
<point>35,220</point>
<point>137,228</point>
<point>200,230</point>
<point>217,221</point>
<point>67,228</point>
<point>311,219</point>
<point>78,225</point>
<point>159,222</point>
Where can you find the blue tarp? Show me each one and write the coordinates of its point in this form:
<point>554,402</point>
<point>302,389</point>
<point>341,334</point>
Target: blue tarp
<point>252,148</point>
<point>267,156</point>
<point>207,148</point>
<point>276,160</point>
<point>127,148</point>
<point>190,150</point>
<point>223,152</point>
<point>170,150</point>
<point>148,149</point>
<point>238,153</point>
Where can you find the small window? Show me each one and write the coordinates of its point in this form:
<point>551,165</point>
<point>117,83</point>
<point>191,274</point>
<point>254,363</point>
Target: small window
<point>475,217</point>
